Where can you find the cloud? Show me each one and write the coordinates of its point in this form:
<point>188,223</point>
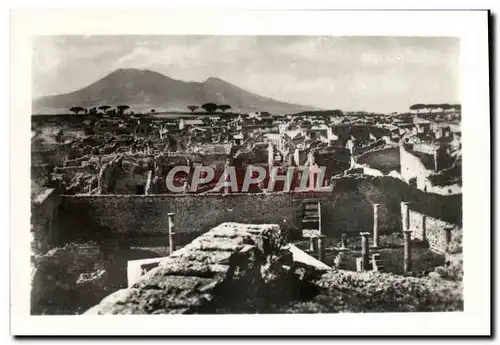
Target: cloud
<point>137,56</point>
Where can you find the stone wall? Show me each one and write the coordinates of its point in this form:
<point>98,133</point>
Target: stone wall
<point>347,208</point>
<point>372,146</point>
<point>68,172</point>
<point>53,156</point>
<point>130,174</point>
<point>92,216</point>
<point>384,160</point>
<point>54,284</point>
<point>72,278</point>
<point>40,177</point>
<point>432,230</point>
<point>413,168</point>
<point>353,196</point>
<point>44,220</point>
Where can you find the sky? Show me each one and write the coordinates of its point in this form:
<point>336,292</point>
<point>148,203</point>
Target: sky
<point>376,74</point>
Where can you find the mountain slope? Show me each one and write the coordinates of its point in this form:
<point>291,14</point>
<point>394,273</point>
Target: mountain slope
<point>145,89</point>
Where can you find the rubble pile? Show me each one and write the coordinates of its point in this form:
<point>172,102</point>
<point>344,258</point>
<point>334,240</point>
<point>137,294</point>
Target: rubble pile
<point>223,270</point>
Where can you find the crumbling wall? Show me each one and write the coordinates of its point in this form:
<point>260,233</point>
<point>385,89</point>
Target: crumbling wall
<point>335,161</point>
<point>72,278</point>
<point>228,263</point>
<point>384,160</point>
<point>52,157</point>
<point>56,284</point>
<point>131,173</point>
<point>107,175</point>
<point>68,172</point>
<point>40,177</point>
<point>373,146</point>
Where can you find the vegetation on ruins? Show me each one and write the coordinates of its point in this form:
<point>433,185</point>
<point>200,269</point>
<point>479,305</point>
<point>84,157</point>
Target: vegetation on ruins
<point>192,107</point>
<point>210,107</point>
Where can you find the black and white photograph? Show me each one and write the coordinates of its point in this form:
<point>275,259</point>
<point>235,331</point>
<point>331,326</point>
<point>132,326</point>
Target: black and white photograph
<point>256,174</point>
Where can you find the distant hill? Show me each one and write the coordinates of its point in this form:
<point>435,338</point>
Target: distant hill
<point>145,90</point>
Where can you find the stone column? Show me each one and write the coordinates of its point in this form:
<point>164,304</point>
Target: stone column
<point>171,233</point>
<point>313,244</point>
<point>405,213</point>
<point>365,251</point>
<point>436,160</point>
<point>344,241</point>
<point>447,236</point>
<point>375,225</point>
<point>407,251</point>
<point>321,248</point>
<point>319,218</point>
<point>424,227</point>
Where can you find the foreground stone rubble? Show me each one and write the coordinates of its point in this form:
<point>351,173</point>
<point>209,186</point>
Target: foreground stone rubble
<point>195,278</point>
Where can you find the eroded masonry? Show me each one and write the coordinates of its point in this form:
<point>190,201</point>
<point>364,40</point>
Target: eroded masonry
<point>381,231</point>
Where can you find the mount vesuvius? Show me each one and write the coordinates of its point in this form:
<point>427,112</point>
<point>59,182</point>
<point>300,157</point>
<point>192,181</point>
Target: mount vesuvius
<point>144,89</point>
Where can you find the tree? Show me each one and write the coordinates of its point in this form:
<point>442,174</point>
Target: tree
<point>224,107</point>
<point>76,110</point>
<point>417,107</point>
<point>193,108</point>
<point>153,111</point>
<point>104,108</point>
<point>337,112</point>
<point>444,107</point>
<point>210,107</point>
<point>432,107</point>
<point>121,109</point>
